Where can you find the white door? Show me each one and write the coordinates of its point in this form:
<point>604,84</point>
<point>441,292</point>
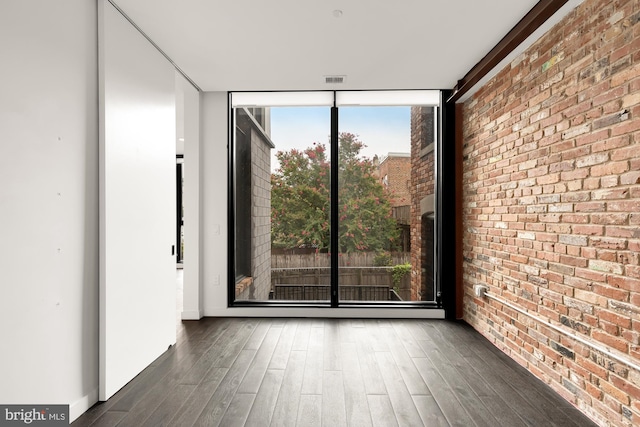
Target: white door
<point>137,197</point>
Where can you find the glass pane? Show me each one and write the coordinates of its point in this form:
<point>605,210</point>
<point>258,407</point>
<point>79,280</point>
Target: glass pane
<point>282,203</point>
<point>386,198</point>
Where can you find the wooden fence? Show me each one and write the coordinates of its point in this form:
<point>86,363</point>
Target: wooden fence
<point>317,260</point>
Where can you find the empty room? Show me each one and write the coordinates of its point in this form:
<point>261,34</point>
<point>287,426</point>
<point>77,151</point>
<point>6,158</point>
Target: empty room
<point>320,213</point>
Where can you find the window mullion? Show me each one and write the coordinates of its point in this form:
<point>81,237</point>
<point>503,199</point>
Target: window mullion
<point>334,208</point>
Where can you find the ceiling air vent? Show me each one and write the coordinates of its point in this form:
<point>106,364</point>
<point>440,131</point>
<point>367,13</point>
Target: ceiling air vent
<point>334,79</point>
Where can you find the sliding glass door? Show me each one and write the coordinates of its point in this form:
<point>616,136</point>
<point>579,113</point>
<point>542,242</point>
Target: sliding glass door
<point>333,198</point>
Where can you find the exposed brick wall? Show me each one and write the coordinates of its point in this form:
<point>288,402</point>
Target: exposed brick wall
<point>422,185</point>
<point>551,197</point>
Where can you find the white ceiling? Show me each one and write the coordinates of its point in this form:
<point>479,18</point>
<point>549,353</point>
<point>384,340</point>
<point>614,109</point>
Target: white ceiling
<point>293,44</point>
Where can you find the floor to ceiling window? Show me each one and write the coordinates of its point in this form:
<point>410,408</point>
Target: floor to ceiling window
<point>332,198</point>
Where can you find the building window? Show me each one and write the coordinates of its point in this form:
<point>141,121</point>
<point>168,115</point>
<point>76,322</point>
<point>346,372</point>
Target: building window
<point>324,202</point>
<point>428,129</point>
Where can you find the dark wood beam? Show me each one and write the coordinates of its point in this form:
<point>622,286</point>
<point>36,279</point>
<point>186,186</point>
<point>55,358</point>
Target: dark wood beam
<point>542,11</point>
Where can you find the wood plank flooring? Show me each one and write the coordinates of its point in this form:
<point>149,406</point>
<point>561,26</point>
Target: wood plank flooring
<point>333,372</point>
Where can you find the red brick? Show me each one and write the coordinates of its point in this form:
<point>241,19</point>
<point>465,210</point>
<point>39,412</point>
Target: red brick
<point>593,391</point>
<point>632,271</point>
<point>623,206</point>
<point>590,207</point>
<point>593,368</point>
<point>610,168</point>
<point>625,386</point>
<point>591,183</point>
<point>575,219</point>
<point>615,93</point>
<point>628,153</point>
<point>593,230</point>
<point>574,153</point>
<point>609,181</point>
<point>610,218</point>
<point>625,127</point>
<point>592,137</point>
<point>622,321</point>
<point>626,283</point>
<point>610,194</point>
<point>626,232</point>
<point>614,342</point>
<point>608,243</point>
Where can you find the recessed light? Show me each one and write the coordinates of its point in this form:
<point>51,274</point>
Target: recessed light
<point>337,13</point>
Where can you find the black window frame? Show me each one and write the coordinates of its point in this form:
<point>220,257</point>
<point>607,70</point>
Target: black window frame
<point>444,127</point>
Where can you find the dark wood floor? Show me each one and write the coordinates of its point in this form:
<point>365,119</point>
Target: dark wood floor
<point>307,372</point>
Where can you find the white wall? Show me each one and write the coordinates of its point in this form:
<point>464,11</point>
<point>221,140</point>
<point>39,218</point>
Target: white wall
<point>189,107</point>
<point>214,202</point>
<point>49,203</point>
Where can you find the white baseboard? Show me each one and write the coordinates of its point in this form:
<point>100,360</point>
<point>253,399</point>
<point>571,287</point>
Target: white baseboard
<point>81,405</point>
<point>192,315</point>
<point>361,312</point>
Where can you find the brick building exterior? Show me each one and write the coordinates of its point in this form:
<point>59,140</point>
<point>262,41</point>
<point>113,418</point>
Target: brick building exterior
<point>394,172</point>
<point>258,285</point>
<point>395,176</point>
<point>551,208</point>
<point>422,203</point>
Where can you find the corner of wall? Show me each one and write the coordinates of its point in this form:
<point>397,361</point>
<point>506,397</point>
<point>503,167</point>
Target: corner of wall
<point>83,404</point>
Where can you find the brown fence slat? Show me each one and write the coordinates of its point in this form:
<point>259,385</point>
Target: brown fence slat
<point>314,260</point>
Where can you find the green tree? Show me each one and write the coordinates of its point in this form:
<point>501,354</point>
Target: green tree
<point>300,200</point>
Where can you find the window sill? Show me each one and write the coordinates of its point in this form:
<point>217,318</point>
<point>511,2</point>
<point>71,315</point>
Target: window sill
<point>243,284</point>
<point>428,149</point>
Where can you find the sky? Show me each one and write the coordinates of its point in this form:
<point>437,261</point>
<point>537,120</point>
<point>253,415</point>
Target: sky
<point>381,129</point>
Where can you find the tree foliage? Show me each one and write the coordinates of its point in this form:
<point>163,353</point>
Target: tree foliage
<point>300,200</point>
